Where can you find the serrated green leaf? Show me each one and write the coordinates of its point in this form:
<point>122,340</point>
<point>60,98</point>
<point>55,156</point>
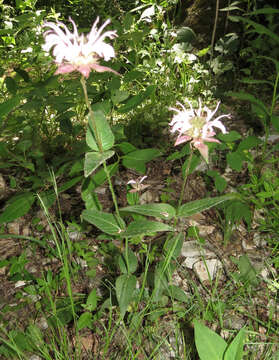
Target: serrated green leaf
<point>161,211</point>
<point>103,129</point>
<point>94,159</point>
<point>197,206</point>
<point>125,286</point>
<point>209,344</point>
<point>103,221</point>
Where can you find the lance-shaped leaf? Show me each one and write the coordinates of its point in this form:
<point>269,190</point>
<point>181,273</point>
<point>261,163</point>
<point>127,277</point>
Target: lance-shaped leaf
<point>197,206</point>
<point>94,159</point>
<point>125,287</point>
<point>103,129</point>
<point>161,211</point>
<point>103,221</point>
<point>145,227</point>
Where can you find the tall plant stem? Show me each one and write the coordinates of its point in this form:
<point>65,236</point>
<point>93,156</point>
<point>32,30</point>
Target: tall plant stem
<point>185,178</point>
<point>214,30</point>
<point>100,147</point>
<point>267,126</point>
<point>91,115</point>
<point>114,199</point>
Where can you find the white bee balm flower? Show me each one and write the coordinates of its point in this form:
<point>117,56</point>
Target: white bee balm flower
<point>196,126</point>
<point>74,52</point>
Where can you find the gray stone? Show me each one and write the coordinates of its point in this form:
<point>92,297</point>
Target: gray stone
<point>207,270</point>
<point>192,251</point>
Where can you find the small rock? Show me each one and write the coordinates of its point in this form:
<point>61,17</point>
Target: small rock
<point>148,197</point>
<point>14,227</point>
<point>42,323</point>
<point>74,235</point>
<point>81,262</point>
<point>265,274</point>
<point>26,231</point>
<point>31,269</point>
<point>208,271</point>
<point>100,190</point>
<point>259,241</point>
<point>248,245</point>
<point>33,298</point>
<point>233,321</point>
<point>3,270</point>
<point>225,334</point>
<point>35,357</point>
<point>20,283</point>
<point>192,251</point>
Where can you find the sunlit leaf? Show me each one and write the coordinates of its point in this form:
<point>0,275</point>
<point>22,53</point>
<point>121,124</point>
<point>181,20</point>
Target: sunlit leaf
<point>94,159</point>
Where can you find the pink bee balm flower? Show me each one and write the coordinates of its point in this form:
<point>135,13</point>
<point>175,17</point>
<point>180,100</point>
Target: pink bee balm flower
<point>74,52</point>
<point>196,126</point>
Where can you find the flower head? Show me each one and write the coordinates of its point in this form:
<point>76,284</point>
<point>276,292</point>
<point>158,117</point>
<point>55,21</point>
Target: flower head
<point>74,52</point>
<point>196,126</point>
<point>137,184</point>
